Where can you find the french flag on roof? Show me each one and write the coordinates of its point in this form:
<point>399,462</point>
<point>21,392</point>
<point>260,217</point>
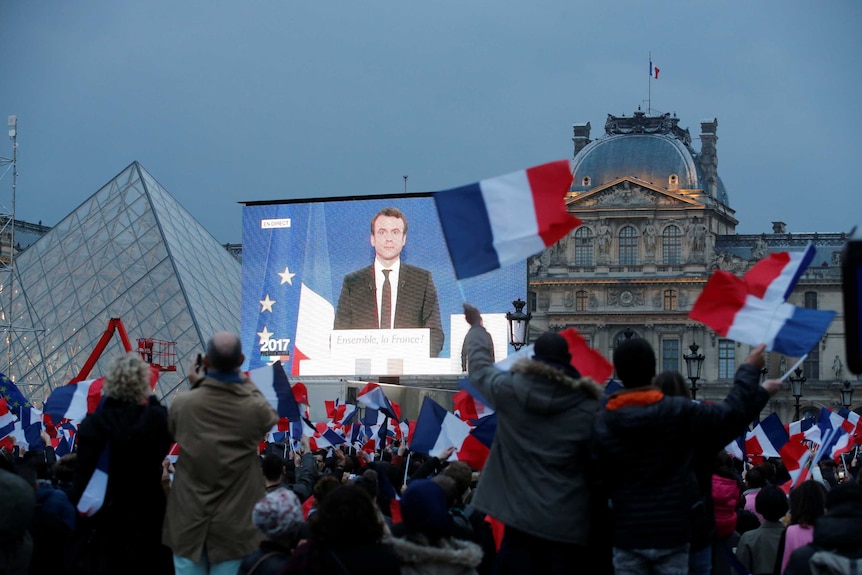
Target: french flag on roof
<point>74,401</point>
<point>94,494</point>
<point>503,220</point>
<point>753,309</point>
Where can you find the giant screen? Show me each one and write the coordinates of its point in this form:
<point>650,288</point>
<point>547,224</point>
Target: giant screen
<point>309,298</point>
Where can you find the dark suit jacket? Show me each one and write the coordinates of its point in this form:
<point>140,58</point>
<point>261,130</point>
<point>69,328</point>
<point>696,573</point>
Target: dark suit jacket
<point>416,307</point>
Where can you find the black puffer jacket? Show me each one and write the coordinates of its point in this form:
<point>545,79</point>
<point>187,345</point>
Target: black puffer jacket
<point>644,443</point>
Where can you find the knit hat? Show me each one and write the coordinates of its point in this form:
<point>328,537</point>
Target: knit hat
<point>552,346</point>
<point>277,514</point>
<point>425,510</point>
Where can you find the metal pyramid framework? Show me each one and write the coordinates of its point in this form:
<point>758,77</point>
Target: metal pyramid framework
<point>130,251</point>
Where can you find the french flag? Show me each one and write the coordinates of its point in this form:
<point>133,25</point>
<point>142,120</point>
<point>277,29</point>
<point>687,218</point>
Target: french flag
<point>7,420</point>
<point>468,408</point>
<point>797,429</point>
<point>736,448</point>
<point>504,220</point>
<point>94,494</point>
<point>340,413</point>
<point>173,452</point>
<point>436,429</point>
<point>74,401</point>
<point>854,420</point>
<point>773,440</point>
<point>275,387</point>
<point>835,434</point>
<point>753,309</point>
<point>316,312</point>
<point>588,361</point>
<point>372,396</point>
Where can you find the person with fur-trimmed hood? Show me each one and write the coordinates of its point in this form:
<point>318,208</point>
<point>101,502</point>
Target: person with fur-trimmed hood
<point>534,480</point>
<point>427,545</point>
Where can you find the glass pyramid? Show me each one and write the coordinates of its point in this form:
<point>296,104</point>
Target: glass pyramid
<point>132,252</point>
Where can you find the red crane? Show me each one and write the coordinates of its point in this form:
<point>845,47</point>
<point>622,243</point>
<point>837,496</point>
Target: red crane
<point>160,354</point>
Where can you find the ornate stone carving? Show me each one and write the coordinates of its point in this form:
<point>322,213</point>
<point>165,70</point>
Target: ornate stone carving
<point>625,297</point>
<point>569,299</point>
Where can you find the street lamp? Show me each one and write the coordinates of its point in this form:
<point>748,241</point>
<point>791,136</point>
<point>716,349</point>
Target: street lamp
<point>693,365</point>
<point>847,394</point>
<point>796,388</point>
<point>518,323</point>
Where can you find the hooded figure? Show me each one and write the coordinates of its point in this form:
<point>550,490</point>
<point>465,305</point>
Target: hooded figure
<point>534,479</point>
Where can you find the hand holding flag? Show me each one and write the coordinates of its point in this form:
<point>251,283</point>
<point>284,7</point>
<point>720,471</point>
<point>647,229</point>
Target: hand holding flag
<point>753,309</point>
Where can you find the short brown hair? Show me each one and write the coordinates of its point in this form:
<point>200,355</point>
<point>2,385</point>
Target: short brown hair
<point>392,213</point>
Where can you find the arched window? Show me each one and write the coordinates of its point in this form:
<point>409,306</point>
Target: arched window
<point>627,333</point>
<point>581,298</point>
<point>628,246</point>
<point>669,299</point>
<point>671,246</point>
<point>583,246</point>
<point>672,181</point>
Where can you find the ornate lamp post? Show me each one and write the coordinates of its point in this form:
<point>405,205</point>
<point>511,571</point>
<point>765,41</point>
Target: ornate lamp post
<point>518,323</point>
<point>693,365</point>
<point>847,394</point>
<point>796,388</point>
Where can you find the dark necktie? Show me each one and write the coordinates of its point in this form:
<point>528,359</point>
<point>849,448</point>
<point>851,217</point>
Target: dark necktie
<point>386,303</point>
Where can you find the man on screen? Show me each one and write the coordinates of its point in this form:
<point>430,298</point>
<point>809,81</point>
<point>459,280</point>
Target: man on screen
<point>390,294</point>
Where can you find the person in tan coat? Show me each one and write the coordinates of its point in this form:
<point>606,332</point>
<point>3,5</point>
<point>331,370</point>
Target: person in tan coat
<point>218,424</point>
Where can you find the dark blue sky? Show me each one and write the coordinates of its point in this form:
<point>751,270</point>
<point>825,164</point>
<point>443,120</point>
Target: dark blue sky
<point>225,101</point>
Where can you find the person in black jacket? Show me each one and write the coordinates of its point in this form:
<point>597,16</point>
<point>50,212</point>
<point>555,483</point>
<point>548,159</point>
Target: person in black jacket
<point>644,444</point>
<point>124,535</point>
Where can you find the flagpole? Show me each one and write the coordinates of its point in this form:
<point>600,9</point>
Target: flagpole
<point>793,367</point>
<point>649,87</point>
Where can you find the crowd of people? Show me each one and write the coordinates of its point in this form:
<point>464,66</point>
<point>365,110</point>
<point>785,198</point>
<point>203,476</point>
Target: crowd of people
<point>576,481</point>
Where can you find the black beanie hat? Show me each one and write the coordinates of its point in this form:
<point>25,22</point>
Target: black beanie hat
<point>553,347</point>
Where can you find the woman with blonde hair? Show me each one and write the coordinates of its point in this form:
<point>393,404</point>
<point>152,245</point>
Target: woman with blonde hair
<point>131,425</point>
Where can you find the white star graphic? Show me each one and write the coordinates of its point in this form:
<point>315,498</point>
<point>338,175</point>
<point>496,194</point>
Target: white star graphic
<point>286,276</point>
<point>266,304</point>
<point>264,335</point>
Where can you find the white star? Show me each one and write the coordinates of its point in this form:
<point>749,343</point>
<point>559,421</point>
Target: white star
<point>266,304</point>
<point>286,276</point>
<point>264,336</point>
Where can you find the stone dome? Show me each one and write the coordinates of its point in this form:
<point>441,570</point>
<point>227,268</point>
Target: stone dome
<point>649,148</point>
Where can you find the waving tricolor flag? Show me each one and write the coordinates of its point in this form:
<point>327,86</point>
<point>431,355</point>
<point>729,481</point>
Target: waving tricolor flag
<point>437,429</point>
<point>503,220</point>
<point>272,382</point>
<point>7,420</point>
<point>770,439</point>
<point>753,309</point>
<point>74,401</point>
<point>372,396</point>
<point>94,494</point>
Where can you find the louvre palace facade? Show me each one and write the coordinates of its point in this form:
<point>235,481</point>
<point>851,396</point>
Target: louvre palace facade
<point>657,222</point>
